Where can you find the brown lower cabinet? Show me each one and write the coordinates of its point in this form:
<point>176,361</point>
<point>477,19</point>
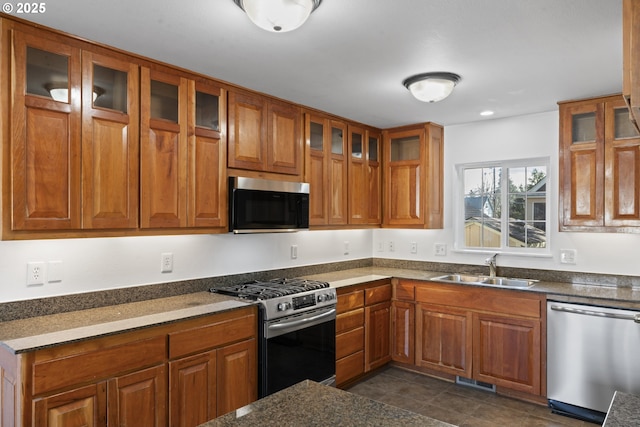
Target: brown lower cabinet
<point>362,329</point>
<point>181,374</point>
<point>490,335</point>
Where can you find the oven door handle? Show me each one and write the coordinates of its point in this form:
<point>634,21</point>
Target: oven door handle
<point>294,323</point>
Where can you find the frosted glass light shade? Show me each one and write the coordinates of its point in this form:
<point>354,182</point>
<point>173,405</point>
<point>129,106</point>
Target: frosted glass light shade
<point>431,87</point>
<point>61,94</point>
<point>278,15</point>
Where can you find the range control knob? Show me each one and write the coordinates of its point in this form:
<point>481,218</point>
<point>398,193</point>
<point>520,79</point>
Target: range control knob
<point>321,297</point>
<point>284,306</point>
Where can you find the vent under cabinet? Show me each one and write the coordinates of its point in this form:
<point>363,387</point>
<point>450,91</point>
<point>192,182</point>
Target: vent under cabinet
<point>475,384</point>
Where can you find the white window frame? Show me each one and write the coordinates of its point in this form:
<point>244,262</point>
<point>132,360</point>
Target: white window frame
<point>459,226</point>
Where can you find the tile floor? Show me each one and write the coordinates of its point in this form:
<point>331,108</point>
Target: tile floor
<point>455,404</point>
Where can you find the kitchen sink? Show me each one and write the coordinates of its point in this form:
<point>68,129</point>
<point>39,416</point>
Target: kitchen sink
<point>506,282</point>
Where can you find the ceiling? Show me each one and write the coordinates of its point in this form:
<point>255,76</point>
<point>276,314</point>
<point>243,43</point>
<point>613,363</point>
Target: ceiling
<point>350,58</point>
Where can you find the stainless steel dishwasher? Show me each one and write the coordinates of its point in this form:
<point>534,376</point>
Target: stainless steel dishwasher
<point>591,352</point>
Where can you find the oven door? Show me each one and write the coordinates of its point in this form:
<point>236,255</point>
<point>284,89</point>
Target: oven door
<point>298,347</point>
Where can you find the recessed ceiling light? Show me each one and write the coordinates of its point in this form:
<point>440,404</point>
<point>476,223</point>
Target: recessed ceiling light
<point>486,113</point>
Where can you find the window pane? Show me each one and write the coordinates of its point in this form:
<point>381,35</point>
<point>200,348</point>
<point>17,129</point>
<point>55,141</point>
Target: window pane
<point>373,149</point>
<point>525,216</point>
<point>356,145</point>
<point>584,127</point>
<point>164,101</point>
<point>337,141</point>
<point>109,88</point>
<point>317,136</point>
<point>207,113</point>
<point>624,128</point>
<point>405,148</point>
<point>47,74</point>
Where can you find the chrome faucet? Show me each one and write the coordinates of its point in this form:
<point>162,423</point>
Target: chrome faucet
<point>491,262</point>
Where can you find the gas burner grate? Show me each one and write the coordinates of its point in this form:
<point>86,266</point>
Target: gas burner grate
<point>274,288</point>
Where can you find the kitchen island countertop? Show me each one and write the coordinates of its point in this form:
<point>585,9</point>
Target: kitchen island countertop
<point>311,404</point>
<point>624,411</point>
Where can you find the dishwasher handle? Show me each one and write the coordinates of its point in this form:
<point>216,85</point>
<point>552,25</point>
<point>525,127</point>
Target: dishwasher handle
<point>634,317</point>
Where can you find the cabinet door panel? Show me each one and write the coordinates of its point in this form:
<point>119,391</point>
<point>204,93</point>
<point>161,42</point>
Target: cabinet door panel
<point>163,152</point>
<point>349,367</point>
<point>403,337</point>
<point>192,392</point>
<point>138,399</point>
<point>237,376</point>
<point>318,189</point>
<point>83,407</point>
<point>444,338</point>
<point>208,195</point>
<point>338,205</point>
<point>110,148</point>
<point>247,131</point>
<point>405,194</point>
<point>283,147</point>
<point>377,341</point>
<point>622,168</point>
<point>507,352</point>
<point>581,165</point>
<point>46,141</point>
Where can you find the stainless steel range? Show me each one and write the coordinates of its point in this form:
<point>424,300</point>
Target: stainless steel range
<point>297,330</point>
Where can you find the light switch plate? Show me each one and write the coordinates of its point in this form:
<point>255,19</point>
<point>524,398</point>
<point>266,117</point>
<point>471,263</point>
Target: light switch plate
<point>568,256</point>
<point>440,249</point>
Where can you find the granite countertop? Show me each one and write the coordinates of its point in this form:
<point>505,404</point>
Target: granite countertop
<point>44,331</point>
<point>49,330</point>
<point>607,295</point>
<point>311,404</point>
<point>624,411</point>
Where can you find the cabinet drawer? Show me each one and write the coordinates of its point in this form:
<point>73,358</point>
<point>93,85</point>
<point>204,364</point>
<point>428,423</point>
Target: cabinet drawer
<point>405,291</point>
<point>98,364</point>
<point>350,301</point>
<point>349,367</point>
<point>349,342</point>
<point>202,338</point>
<point>378,294</point>
<point>482,299</point>
<point>349,320</point>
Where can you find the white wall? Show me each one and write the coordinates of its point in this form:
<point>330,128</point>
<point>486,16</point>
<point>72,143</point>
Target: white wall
<point>108,263</point>
<point>503,139</point>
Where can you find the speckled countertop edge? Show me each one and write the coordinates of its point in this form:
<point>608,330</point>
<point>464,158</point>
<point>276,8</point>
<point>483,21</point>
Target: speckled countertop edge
<point>623,411</point>
<point>311,404</point>
<point>45,331</point>
<point>53,329</point>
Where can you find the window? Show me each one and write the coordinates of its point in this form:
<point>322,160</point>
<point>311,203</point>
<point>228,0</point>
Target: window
<point>504,206</point>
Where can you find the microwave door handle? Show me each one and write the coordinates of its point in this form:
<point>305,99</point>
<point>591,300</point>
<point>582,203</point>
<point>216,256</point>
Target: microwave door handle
<point>302,321</point>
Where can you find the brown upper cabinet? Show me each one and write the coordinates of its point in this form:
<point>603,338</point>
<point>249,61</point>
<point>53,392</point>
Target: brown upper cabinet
<point>631,58</point>
<point>182,151</point>
<point>75,137</point>
<point>413,183</point>
<point>264,134</point>
<point>364,173</point>
<point>326,170</point>
<point>599,166</point>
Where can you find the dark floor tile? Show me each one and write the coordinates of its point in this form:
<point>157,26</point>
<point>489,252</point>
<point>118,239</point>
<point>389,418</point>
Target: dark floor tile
<point>443,414</point>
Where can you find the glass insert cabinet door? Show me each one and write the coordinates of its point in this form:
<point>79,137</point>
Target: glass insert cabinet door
<point>47,74</point>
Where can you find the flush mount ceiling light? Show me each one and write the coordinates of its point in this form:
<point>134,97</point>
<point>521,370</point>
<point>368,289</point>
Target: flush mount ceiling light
<point>60,92</point>
<point>278,16</point>
<point>431,87</point>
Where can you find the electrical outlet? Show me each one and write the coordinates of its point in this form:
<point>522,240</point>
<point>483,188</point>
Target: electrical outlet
<point>391,246</point>
<point>568,256</point>
<point>440,249</point>
<point>346,247</point>
<point>413,247</point>
<point>35,273</point>
<point>380,246</point>
<point>294,251</point>
<point>166,262</point>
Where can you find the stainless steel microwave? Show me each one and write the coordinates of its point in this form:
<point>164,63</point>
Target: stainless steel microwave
<point>267,206</point>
